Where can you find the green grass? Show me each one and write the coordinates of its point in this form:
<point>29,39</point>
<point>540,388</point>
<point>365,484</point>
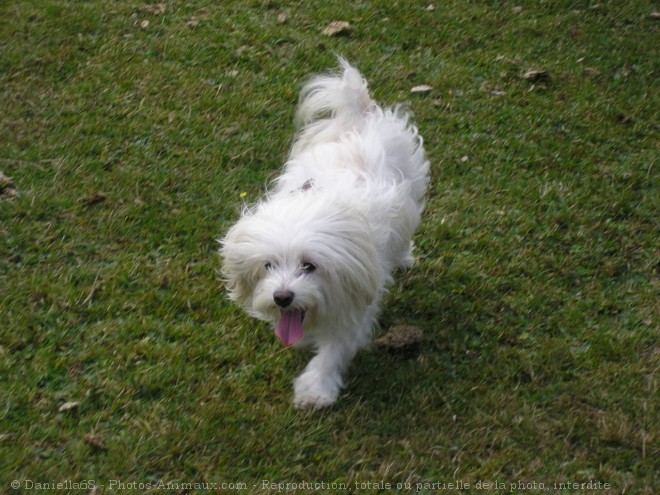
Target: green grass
<point>536,284</point>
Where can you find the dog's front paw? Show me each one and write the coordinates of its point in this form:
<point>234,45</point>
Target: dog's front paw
<point>313,391</point>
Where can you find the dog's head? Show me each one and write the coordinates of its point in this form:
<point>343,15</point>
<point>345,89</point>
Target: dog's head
<point>300,260</point>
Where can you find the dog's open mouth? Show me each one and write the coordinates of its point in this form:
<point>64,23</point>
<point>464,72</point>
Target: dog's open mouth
<point>289,329</point>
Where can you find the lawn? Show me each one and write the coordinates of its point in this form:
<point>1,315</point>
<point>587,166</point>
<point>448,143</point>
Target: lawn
<point>131,135</point>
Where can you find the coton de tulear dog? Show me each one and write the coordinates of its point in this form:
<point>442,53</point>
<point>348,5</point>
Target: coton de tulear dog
<point>315,255</point>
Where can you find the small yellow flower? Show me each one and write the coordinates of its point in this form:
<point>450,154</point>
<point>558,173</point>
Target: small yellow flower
<point>243,194</point>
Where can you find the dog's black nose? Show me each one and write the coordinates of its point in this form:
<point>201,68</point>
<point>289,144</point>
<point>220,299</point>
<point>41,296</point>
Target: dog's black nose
<point>283,298</point>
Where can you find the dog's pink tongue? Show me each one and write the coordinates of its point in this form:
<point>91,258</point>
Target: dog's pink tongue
<point>289,329</point>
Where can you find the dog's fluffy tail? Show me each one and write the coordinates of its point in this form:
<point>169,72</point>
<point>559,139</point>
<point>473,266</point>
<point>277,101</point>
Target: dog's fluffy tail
<point>330,104</point>
<point>342,96</point>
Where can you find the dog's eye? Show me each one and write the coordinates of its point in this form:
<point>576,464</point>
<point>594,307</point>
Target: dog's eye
<point>268,265</point>
<point>308,267</point>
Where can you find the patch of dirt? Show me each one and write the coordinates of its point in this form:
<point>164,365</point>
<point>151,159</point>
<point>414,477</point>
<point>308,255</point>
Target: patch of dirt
<point>401,338</point>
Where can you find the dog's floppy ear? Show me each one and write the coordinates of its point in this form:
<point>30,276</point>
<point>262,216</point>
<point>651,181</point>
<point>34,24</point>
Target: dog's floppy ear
<point>239,286</point>
<point>238,266</point>
<point>361,271</point>
<point>351,260</point>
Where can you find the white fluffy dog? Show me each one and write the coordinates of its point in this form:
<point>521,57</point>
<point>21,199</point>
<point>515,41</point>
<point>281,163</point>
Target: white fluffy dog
<point>315,255</point>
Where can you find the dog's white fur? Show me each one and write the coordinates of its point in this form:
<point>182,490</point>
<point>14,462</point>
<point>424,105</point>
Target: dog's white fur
<point>337,223</point>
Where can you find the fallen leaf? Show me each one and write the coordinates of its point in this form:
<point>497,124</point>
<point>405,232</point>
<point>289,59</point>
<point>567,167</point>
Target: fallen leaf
<point>96,441</point>
<point>7,188</point>
<point>622,118</point>
<point>155,9</point>
<point>536,75</point>
<point>337,28</point>
<point>94,198</point>
<point>5,181</point>
<point>422,88</point>
<point>192,23</point>
<point>232,130</point>
<point>144,24</point>
<point>464,159</point>
<point>68,406</point>
<point>74,370</point>
<point>430,8</point>
<point>517,9</point>
<point>282,18</point>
